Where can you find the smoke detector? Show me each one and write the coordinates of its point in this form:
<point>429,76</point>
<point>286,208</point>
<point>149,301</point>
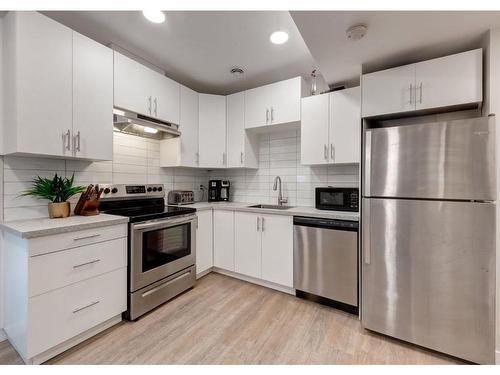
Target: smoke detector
<point>236,71</point>
<point>356,32</point>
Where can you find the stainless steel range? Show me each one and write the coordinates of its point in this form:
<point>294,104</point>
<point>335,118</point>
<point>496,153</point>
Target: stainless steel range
<point>161,244</point>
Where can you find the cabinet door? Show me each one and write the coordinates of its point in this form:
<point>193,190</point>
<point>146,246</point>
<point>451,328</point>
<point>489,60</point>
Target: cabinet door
<point>258,107</point>
<point>247,238</point>
<point>166,98</point>
<point>42,56</point>
<point>92,98</point>
<point>277,249</point>
<point>235,129</point>
<point>286,96</point>
<point>132,85</point>
<point>345,123</point>
<point>204,241</point>
<point>389,91</point>
<point>450,80</point>
<point>212,131</point>
<point>224,239</point>
<point>314,130</point>
<point>189,127</point>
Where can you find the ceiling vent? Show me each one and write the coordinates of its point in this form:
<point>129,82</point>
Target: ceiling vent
<point>356,32</point>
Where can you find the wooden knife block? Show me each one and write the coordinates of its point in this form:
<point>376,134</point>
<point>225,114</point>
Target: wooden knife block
<point>89,208</point>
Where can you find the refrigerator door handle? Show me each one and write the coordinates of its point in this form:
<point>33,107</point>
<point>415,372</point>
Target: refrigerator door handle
<point>368,161</point>
<point>366,231</point>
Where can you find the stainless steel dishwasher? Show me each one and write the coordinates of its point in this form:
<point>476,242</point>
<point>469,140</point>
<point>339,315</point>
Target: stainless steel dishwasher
<point>325,261</point>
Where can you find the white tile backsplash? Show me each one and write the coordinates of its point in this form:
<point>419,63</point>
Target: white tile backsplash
<point>136,160</point>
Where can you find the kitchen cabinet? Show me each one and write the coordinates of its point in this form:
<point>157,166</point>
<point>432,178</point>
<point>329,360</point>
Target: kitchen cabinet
<point>277,249</point>
<point>92,99</point>
<point>145,91</point>
<point>241,146</point>
<point>84,293</point>
<point>224,239</point>
<point>264,247</point>
<point>330,128</point>
<point>204,241</point>
<point>63,108</point>
<point>183,151</point>
<point>438,83</point>
<point>247,247</point>
<point>212,131</point>
<point>274,104</point>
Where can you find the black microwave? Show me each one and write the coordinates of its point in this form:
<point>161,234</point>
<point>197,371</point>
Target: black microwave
<point>337,199</point>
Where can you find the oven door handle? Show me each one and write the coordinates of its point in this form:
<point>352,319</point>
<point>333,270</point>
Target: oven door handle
<point>163,223</point>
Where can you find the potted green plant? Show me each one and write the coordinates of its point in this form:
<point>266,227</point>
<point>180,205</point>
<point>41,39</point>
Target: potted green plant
<point>58,190</point>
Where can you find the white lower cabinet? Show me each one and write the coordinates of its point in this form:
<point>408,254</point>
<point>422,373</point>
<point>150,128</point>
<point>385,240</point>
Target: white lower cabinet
<point>224,239</point>
<point>63,288</point>
<point>204,241</point>
<point>247,244</point>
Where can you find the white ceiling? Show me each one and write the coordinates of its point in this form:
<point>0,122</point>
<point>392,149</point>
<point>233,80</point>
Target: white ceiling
<point>393,38</point>
<point>199,48</point>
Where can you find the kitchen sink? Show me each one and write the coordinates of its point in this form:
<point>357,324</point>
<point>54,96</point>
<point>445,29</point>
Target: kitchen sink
<point>271,206</point>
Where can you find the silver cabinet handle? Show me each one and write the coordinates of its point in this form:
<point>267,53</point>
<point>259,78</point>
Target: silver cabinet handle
<point>325,152</point>
<point>241,157</point>
<point>67,140</point>
<point>332,152</point>
<point>77,142</point>
<point>86,263</point>
<point>156,106</point>
<point>85,307</point>
<point>262,224</point>
<point>224,158</point>
<point>258,223</point>
<point>272,114</point>
<point>86,237</point>
<point>267,115</point>
<point>411,94</point>
<point>197,158</point>
<point>420,87</point>
<point>149,104</point>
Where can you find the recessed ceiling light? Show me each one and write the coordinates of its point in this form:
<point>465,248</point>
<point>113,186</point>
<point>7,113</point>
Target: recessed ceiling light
<point>279,37</point>
<point>155,16</point>
<point>149,130</point>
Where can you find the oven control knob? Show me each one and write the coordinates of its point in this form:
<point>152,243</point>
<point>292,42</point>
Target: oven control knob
<point>155,188</point>
<point>149,189</point>
<point>114,190</point>
<point>106,191</point>
<point>160,188</point>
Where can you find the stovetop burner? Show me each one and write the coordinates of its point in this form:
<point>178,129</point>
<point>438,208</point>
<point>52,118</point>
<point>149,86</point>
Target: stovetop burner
<point>137,214</point>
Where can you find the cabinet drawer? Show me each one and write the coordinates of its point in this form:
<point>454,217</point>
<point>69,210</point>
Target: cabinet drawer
<point>63,241</point>
<point>64,313</point>
<point>55,270</point>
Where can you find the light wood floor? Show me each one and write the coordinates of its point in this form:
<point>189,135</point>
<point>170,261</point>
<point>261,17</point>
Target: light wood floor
<point>227,321</point>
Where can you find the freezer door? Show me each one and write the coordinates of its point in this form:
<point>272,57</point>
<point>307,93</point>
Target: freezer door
<point>442,160</point>
<point>428,274</point>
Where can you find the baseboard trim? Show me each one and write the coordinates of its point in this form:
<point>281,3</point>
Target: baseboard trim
<point>3,336</point>
<point>497,357</point>
<point>204,273</point>
<point>253,280</point>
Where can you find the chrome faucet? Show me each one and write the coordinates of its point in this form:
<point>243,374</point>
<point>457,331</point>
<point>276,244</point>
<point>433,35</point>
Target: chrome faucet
<point>281,200</point>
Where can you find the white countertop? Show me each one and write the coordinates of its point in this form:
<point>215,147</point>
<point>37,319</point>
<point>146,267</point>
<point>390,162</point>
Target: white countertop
<point>44,226</point>
<point>295,211</point>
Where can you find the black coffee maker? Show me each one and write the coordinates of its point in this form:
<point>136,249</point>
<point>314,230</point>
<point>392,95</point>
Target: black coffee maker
<point>218,190</point>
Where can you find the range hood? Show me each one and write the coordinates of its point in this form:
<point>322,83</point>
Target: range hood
<point>143,126</point>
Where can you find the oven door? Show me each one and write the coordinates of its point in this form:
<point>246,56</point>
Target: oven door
<point>160,248</point>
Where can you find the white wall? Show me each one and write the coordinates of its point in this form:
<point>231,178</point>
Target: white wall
<point>492,106</point>
<point>279,154</point>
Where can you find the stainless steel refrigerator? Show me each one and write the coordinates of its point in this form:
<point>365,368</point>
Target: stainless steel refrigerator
<point>428,235</point>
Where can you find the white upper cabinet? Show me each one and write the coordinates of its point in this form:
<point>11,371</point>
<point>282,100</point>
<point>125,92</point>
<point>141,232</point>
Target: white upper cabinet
<point>273,104</point>
<point>38,78</point>
<point>142,90</point>
<point>389,91</point>
<point>92,99</point>
<point>212,131</point>
<point>241,146</point>
<point>60,87</point>
<point>330,128</point>
<point>314,129</point>
<point>345,126</point>
<point>454,80</point>
<point>183,151</point>
<point>450,80</point>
